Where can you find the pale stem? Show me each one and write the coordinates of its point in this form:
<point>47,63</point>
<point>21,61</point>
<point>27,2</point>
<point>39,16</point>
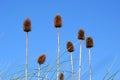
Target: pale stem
<point>46,77</point>
<point>58,61</point>
<point>90,63</point>
<point>26,70</point>
<point>39,72</point>
<point>71,59</point>
<point>80,61</point>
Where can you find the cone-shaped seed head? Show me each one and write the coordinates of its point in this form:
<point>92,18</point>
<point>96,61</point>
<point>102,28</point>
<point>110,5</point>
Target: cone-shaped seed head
<point>57,21</point>
<point>89,42</point>
<point>27,25</point>
<point>61,76</point>
<point>81,34</point>
<point>70,47</point>
<point>42,59</point>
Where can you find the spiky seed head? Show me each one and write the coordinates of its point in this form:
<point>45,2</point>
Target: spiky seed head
<point>41,59</point>
<point>89,42</point>
<point>81,34</point>
<point>27,25</point>
<point>70,47</point>
<point>58,21</point>
<point>61,76</point>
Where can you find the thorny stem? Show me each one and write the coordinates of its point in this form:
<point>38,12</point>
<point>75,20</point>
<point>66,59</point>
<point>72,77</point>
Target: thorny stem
<point>80,61</point>
<point>90,63</point>
<point>39,72</point>
<point>26,70</point>
<point>71,59</point>
<point>58,61</point>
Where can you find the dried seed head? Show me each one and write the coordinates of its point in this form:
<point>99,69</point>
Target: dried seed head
<point>57,21</point>
<point>27,25</point>
<point>61,76</point>
<point>70,47</point>
<point>81,34</point>
<point>89,42</point>
<point>42,59</point>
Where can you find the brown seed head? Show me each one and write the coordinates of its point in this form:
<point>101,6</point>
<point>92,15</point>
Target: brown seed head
<point>27,25</point>
<point>61,76</point>
<point>57,21</point>
<point>42,59</point>
<point>81,34</point>
<point>70,47</point>
<point>89,42</point>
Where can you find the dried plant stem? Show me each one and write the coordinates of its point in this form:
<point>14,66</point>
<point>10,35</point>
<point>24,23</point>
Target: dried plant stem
<point>113,76</point>
<point>46,77</point>
<point>107,72</point>
<point>90,63</point>
<point>39,72</point>
<point>71,59</point>
<point>80,61</point>
<point>58,61</point>
<point>26,70</point>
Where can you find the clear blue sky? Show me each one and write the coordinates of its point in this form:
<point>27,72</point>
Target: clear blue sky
<point>99,19</point>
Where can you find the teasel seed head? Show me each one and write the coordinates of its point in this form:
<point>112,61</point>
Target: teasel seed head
<point>27,25</point>
<point>58,21</point>
<point>81,34</point>
<point>89,42</point>
<point>61,76</point>
<point>41,59</point>
<point>70,47</point>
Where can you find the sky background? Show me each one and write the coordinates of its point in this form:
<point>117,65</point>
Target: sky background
<point>100,19</point>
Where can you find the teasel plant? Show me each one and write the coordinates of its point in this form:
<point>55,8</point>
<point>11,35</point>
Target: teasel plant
<point>58,25</point>
<point>61,76</point>
<point>41,60</point>
<point>27,28</point>
<point>70,48</point>
<point>81,37</point>
<point>89,45</point>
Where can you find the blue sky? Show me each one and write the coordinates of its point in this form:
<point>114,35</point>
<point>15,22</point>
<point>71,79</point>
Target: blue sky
<point>99,19</point>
